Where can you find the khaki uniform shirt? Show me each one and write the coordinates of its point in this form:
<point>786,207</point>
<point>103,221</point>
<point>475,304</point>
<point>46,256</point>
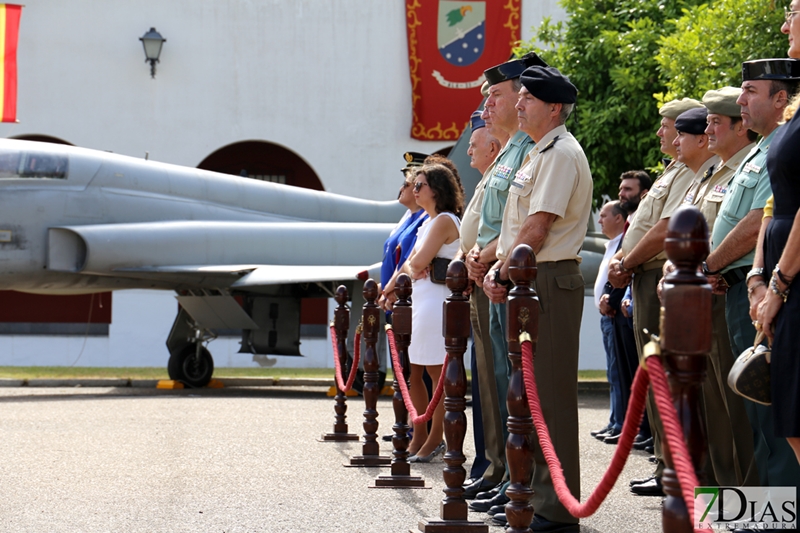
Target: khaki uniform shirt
<point>712,187</point>
<point>554,179</point>
<point>472,214</point>
<point>664,197</point>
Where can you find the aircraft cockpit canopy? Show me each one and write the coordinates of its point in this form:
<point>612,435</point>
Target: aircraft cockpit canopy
<point>32,164</point>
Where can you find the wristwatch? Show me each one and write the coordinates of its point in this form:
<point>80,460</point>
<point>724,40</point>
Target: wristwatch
<point>503,282</point>
<point>708,272</point>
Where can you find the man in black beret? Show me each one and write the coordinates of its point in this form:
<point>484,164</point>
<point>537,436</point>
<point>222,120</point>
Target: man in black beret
<point>548,208</point>
<point>692,142</point>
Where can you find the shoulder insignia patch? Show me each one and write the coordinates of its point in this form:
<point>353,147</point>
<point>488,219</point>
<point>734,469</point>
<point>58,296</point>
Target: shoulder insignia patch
<point>549,145</point>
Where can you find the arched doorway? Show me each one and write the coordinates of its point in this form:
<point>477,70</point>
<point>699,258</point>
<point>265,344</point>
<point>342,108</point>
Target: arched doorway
<point>271,162</point>
<point>263,160</point>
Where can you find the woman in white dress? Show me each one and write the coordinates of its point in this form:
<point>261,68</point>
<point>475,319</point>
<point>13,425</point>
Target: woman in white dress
<point>438,191</point>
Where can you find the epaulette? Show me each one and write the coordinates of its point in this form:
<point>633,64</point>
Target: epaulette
<point>708,173</point>
<point>549,145</point>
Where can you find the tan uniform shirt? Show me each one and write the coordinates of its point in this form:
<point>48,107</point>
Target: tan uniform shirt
<point>554,179</point>
<point>708,192</point>
<point>472,214</point>
<point>664,197</point>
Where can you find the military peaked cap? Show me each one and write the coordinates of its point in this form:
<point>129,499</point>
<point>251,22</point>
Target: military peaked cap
<point>771,69</point>
<point>413,159</point>
<point>512,69</point>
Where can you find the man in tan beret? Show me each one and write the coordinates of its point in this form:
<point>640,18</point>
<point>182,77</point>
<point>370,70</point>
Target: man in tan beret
<point>642,255</point>
<point>730,441</point>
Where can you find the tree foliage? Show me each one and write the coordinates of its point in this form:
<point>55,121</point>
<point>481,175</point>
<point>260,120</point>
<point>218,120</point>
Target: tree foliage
<point>626,56</point>
<point>710,42</point>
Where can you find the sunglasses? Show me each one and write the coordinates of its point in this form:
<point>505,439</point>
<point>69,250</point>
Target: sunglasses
<point>418,185</point>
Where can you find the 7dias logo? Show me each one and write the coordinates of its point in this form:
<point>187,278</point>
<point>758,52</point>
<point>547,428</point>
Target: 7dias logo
<point>758,508</point>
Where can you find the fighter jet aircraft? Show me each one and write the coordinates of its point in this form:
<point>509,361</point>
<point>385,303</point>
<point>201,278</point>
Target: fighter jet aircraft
<point>240,253</point>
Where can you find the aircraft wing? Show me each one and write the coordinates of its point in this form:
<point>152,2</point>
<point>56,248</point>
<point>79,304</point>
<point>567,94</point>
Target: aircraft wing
<point>251,277</point>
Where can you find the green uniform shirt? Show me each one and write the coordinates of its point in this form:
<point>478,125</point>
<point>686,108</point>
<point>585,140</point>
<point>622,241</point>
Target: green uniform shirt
<point>749,189</point>
<point>507,164</point>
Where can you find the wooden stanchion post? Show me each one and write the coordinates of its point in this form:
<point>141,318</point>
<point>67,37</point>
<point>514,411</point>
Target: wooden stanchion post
<point>401,477</point>
<point>522,315</point>
<point>370,452</point>
<point>685,344</point>
<point>453,511</point>
<point>341,324</point>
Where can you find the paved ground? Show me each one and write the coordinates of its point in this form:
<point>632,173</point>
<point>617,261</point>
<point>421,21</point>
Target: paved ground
<point>230,460</point>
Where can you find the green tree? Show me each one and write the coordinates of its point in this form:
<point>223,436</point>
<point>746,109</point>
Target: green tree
<point>608,50</point>
<point>626,57</point>
<point>710,42</point>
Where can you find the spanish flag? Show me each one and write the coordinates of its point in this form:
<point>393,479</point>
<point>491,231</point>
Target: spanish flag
<point>9,32</point>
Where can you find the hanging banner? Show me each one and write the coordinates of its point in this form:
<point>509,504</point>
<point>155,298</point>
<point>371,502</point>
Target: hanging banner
<point>9,32</point>
<point>450,44</point>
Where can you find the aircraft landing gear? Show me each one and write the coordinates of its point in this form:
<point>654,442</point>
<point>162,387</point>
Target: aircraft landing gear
<point>192,366</point>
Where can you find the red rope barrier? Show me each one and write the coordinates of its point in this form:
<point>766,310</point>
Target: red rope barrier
<point>345,387</point>
<point>669,418</point>
<point>672,428</point>
<point>398,368</point>
<point>630,428</point>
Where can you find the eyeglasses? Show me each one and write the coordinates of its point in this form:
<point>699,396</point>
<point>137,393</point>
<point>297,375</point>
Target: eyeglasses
<point>406,184</point>
<point>789,14</point>
<point>418,185</point>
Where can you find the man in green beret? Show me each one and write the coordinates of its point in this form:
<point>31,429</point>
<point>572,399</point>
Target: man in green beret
<point>730,443</point>
<point>642,255</point>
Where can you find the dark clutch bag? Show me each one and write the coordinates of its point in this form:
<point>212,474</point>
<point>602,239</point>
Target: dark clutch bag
<point>749,375</point>
<point>438,270</point>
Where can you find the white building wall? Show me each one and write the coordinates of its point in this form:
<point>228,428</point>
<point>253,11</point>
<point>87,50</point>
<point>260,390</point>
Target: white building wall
<point>327,80</point>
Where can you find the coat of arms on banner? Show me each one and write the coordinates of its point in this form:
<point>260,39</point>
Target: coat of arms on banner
<point>462,31</point>
<point>450,44</point>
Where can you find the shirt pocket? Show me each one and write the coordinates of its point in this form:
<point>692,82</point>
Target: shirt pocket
<point>742,193</point>
<point>655,197</point>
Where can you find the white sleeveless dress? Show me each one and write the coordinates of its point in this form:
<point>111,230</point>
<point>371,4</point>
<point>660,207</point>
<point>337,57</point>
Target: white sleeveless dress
<point>427,298</point>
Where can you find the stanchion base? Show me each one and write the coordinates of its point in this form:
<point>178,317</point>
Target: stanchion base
<point>370,460</point>
<point>338,437</point>
<point>399,482</point>
<point>451,526</point>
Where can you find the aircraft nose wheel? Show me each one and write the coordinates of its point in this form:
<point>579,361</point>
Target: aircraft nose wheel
<point>192,366</point>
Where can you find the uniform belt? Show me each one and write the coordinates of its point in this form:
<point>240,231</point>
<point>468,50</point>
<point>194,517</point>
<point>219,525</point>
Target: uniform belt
<point>650,265</point>
<point>732,277</point>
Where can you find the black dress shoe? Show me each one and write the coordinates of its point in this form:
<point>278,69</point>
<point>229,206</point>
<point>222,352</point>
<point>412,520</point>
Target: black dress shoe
<point>650,449</point>
<point>596,432</point>
<point>640,481</point>
<point>612,439</point>
<point>541,524</point>
<point>497,509</point>
<point>651,488</point>
<point>489,494</point>
<point>482,506</point>
<point>653,459</point>
<point>499,520</point>
<point>470,491</point>
<point>642,444</point>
